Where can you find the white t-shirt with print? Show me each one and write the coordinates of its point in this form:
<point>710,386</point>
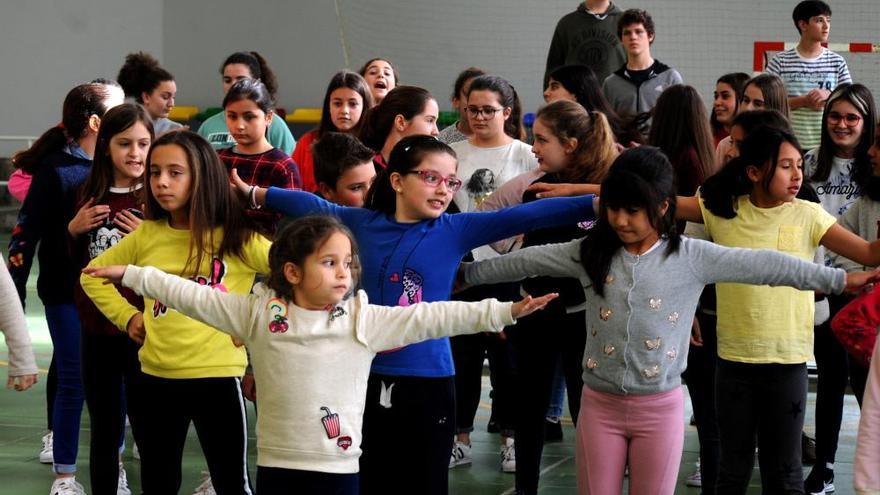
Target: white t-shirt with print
<point>483,170</point>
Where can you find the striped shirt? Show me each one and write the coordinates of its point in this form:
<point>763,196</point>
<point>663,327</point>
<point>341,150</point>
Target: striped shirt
<point>801,75</point>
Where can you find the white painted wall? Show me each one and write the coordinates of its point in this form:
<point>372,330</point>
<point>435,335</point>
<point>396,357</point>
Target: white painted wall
<point>49,46</point>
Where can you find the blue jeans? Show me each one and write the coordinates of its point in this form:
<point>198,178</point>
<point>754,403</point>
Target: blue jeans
<point>557,395</point>
<point>64,328</point>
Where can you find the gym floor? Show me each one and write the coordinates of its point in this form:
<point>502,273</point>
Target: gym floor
<point>23,423</point>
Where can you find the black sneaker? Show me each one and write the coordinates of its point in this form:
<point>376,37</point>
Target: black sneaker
<point>552,431</point>
<point>808,449</point>
<point>819,481</point>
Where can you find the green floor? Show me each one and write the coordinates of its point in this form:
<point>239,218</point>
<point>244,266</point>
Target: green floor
<point>23,422</point>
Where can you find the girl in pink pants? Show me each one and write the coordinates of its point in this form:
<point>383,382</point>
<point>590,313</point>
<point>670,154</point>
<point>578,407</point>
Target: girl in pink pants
<point>642,282</point>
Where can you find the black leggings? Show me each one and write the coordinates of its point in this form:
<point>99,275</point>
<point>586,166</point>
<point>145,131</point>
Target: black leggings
<point>109,365</point>
<point>700,378</point>
<point>163,409</point>
<point>407,435</point>
<point>539,340</point>
<point>280,481</point>
<point>468,353</point>
<point>768,400</point>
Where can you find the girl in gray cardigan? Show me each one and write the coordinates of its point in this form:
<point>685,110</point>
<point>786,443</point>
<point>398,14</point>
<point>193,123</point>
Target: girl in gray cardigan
<point>642,282</point>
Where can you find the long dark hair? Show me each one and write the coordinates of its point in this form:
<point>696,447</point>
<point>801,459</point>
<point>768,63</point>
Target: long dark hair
<point>640,177</point>
<point>211,204</point>
<point>860,97</point>
<point>141,73</point>
<point>258,66</point>
<point>407,154</point>
<point>80,104</point>
<point>116,120</point>
<point>407,101</point>
<point>680,123</point>
<point>581,81</point>
<point>299,239</point>
<point>760,149</point>
<point>737,81</point>
<point>507,98</point>
<point>354,82</point>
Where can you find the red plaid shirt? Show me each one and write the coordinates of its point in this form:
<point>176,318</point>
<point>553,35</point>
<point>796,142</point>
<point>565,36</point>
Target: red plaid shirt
<point>273,168</point>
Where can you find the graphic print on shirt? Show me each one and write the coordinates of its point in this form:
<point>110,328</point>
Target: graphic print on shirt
<point>215,280</point>
<point>278,309</point>
<point>412,288</point>
<point>108,235</point>
<point>841,185</point>
<point>481,185</point>
<point>331,423</point>
<point>412,292</point>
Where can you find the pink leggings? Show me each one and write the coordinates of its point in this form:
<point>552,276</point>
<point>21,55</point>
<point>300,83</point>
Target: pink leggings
<point>648,430</point>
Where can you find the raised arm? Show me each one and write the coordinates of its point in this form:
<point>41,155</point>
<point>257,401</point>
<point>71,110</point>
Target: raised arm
<point>849,245</point>
<point>229,313</point>
<point>482,228</point>
<point>389,327</point>
<point>713,264</point>
<point>550,260</point>
<point>688,209</point>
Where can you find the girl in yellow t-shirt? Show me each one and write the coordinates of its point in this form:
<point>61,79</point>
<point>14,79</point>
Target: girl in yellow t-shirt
<point>765,334</point>
<point>191,372</point>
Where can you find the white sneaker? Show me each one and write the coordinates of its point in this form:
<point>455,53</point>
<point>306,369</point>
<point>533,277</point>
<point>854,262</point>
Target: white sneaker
<point>46,455</point>
<point>207,487</point>
<point>461,455</point>
<point>695,479</point>
<point>66,486</point>
<point>508,456</point>
<point>122,485</point>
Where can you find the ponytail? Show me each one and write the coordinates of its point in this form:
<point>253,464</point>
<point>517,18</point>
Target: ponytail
<point>407,101</point>
<point>596,148</point>
<point>80,104</point>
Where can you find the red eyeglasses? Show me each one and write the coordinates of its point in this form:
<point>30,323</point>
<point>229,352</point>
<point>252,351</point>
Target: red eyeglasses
<point>434,179</point>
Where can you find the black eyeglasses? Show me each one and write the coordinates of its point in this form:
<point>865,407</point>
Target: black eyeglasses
<point>487,112</point>
<point>434,179</point>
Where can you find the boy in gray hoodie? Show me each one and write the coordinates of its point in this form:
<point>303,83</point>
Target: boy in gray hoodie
<point>635,87</point>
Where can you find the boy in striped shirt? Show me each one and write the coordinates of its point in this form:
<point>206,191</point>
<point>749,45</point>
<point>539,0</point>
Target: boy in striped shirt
<point>810,71</point>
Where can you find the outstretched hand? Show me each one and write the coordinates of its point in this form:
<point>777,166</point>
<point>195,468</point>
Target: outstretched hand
<point>529,304</point>
<point>545,190</point>
<point>856,281</point>
<point>112,274</point>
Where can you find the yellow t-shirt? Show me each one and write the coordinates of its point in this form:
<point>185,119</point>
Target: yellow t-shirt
<point>177,346</point>
<point>763,324</point>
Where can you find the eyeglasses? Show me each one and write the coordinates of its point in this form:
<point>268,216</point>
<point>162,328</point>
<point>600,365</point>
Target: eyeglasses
<point>434,179</point>
<point>487,112</point>
<point>850,119</point>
